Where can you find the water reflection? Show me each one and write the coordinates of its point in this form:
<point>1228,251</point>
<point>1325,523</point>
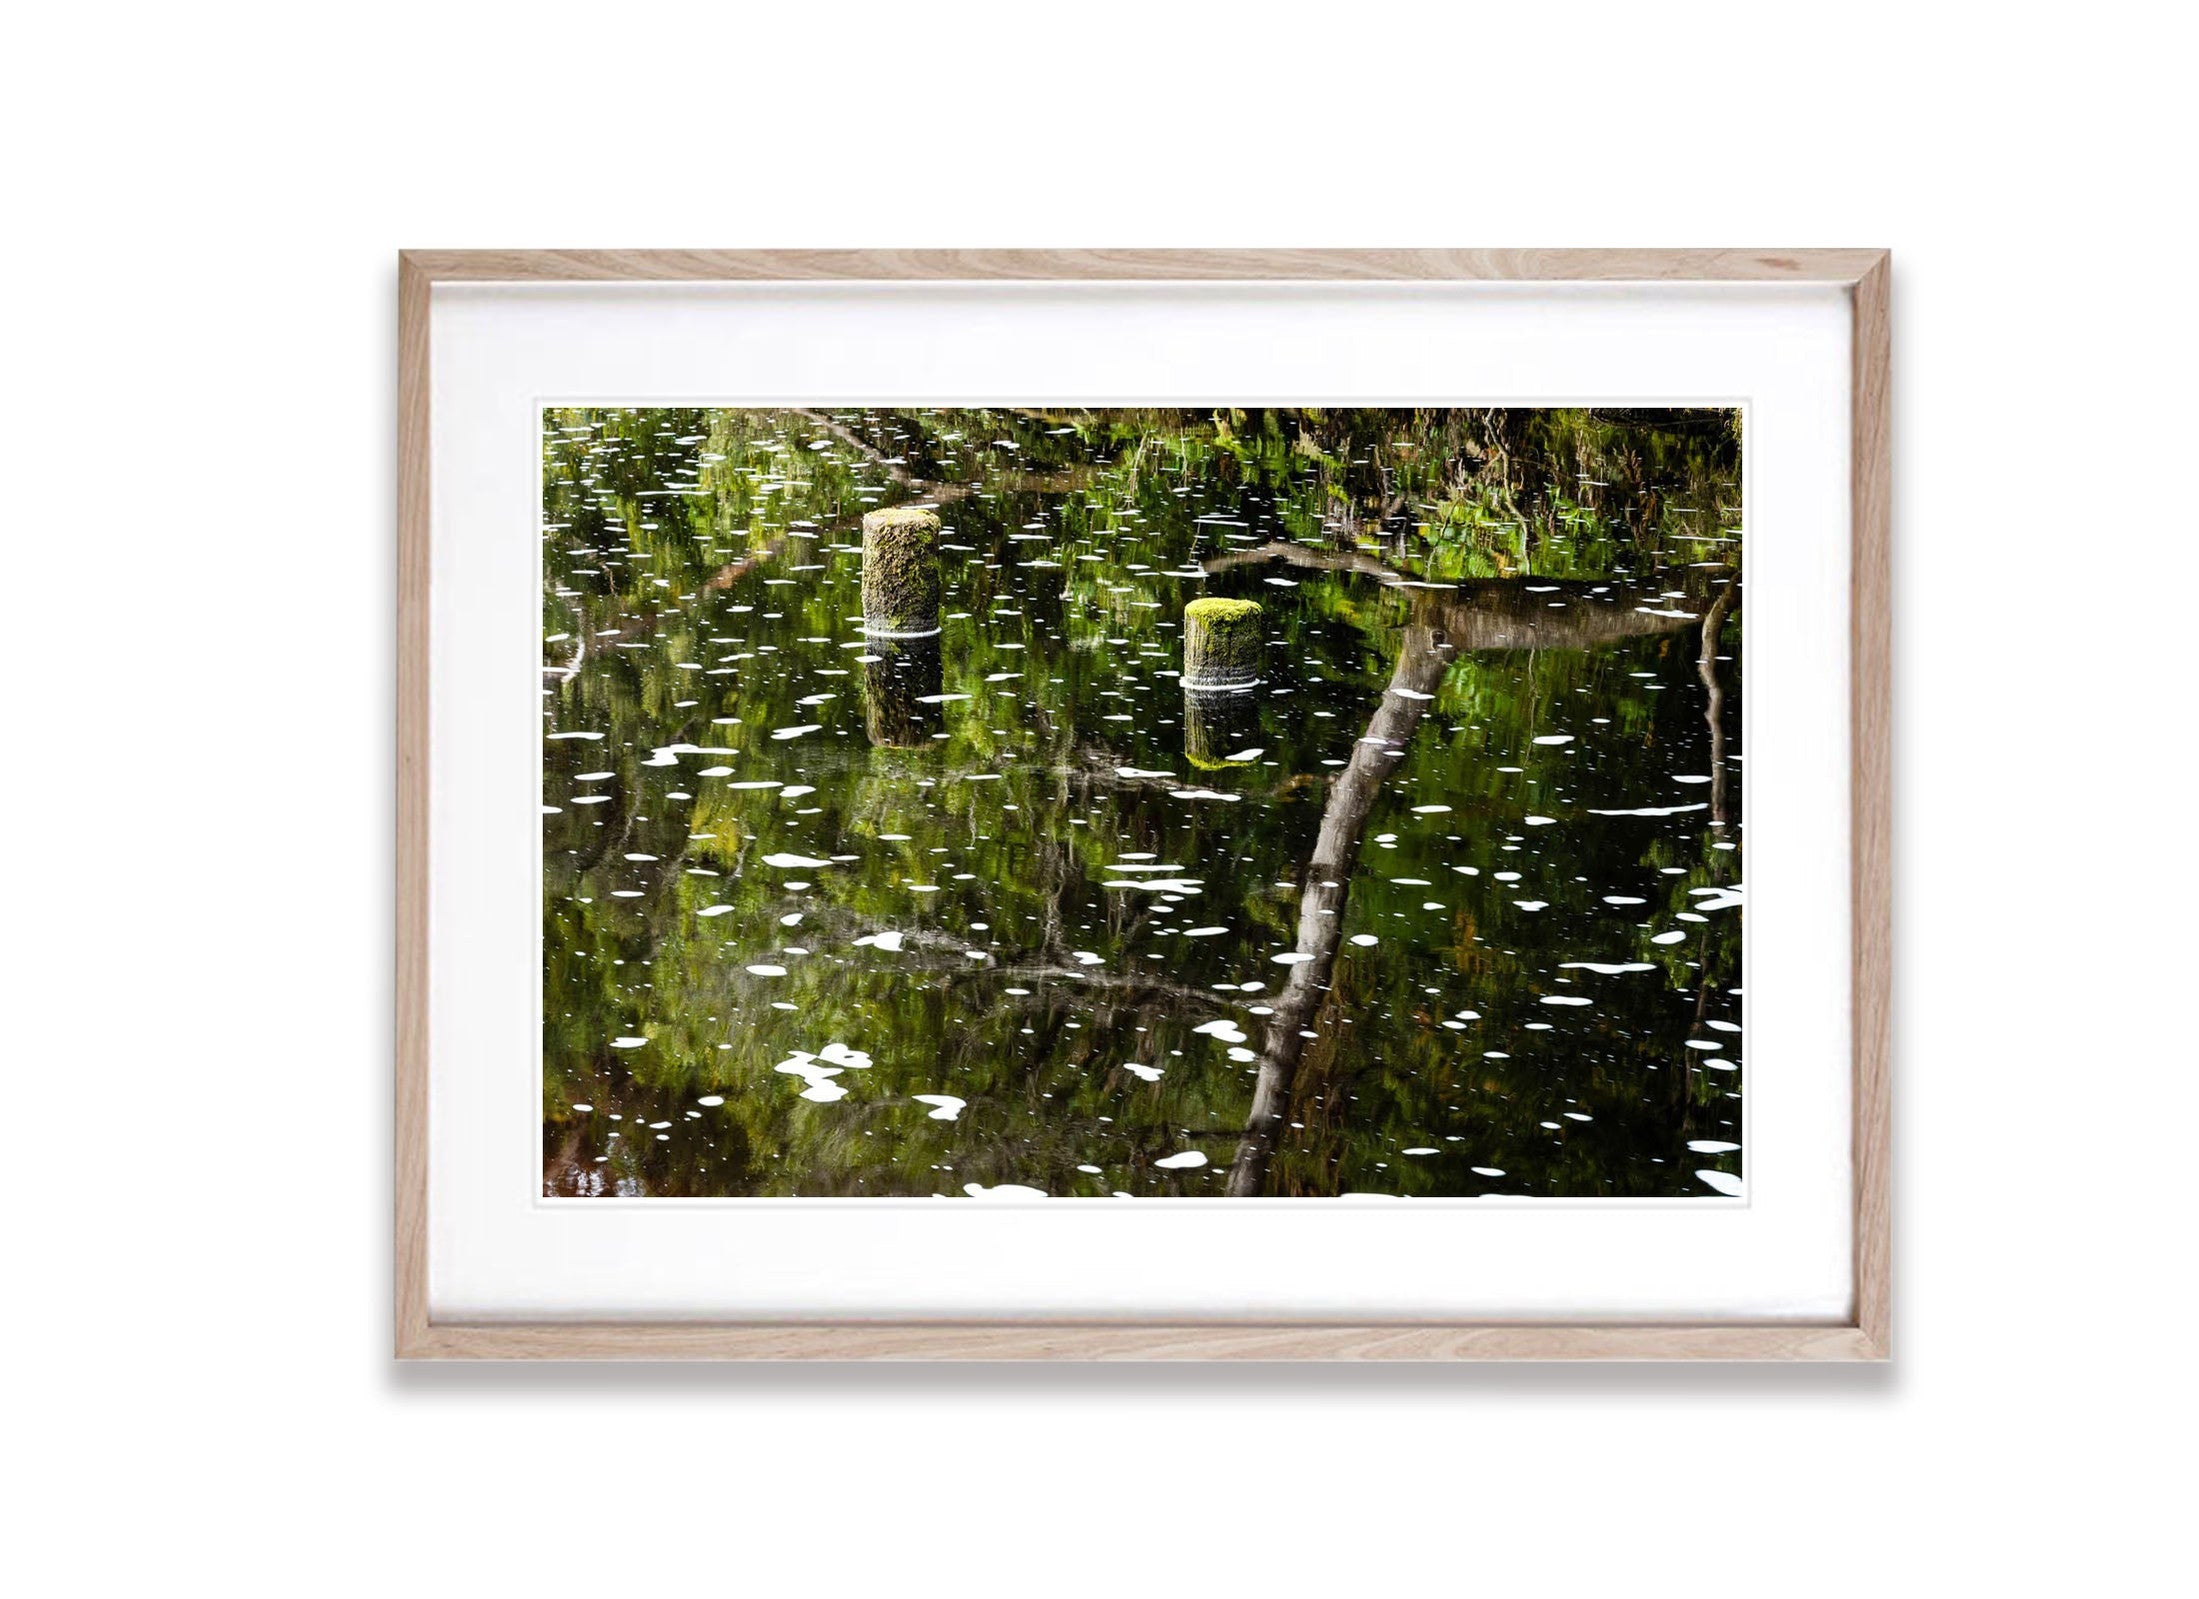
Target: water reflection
<point>903,700</point>
<point>1449,904</point>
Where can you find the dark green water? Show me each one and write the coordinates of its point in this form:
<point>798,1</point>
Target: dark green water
<point>1448,905</point>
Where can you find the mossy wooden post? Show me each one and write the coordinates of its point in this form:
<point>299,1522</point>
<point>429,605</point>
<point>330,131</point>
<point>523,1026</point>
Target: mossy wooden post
<point>900,572</point>
<point>1221,645</point>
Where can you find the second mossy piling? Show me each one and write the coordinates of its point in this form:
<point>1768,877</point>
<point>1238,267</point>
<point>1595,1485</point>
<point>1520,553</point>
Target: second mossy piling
<point>900,572</point>
<point>1221,645</point>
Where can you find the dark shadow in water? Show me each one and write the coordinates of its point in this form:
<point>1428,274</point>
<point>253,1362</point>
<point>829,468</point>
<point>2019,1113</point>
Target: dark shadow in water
<point>896,687</point>
<point>1218,724</point>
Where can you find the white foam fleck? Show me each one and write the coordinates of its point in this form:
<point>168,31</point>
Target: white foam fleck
<point>1725,1182</point>
<point>1711,1146</point>
<point>1189,1160</point>
<point>948,1107</point>
<point>1605,968</point>
<point>1555,738</point>
<point>890,942</point>
<point>765,969</point>
<point>1291,958</point>
<point>1365,940</point>
<point>1566,999</point>
<point>791,861</point>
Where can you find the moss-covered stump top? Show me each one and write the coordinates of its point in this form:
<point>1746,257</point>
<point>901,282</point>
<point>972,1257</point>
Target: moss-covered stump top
<point>910,518</point>
<point>1221,643</point>
<point>900,570</point>
<point>1221,613</point>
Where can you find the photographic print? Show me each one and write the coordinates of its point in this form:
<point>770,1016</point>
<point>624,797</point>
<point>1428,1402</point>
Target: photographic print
<point>1196,803</point>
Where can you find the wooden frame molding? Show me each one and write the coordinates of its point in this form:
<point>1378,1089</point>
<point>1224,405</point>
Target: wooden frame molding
<point>1864,1336</point>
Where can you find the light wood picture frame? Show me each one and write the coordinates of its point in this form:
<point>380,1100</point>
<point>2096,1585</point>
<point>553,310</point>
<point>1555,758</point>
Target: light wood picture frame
<point>1863,1336</point>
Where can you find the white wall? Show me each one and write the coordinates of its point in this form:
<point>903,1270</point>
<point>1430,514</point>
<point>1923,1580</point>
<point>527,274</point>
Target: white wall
<point>205,203</point>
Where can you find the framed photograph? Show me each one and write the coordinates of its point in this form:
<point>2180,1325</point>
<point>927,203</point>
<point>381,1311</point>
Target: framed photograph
<point>1152,805</point>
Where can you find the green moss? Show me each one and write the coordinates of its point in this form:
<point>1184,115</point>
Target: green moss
<point>1219,612</point>
<point>900,569</point>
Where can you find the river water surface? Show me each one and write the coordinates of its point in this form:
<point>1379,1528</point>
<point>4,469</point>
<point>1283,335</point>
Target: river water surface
<point>1448,904</point>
